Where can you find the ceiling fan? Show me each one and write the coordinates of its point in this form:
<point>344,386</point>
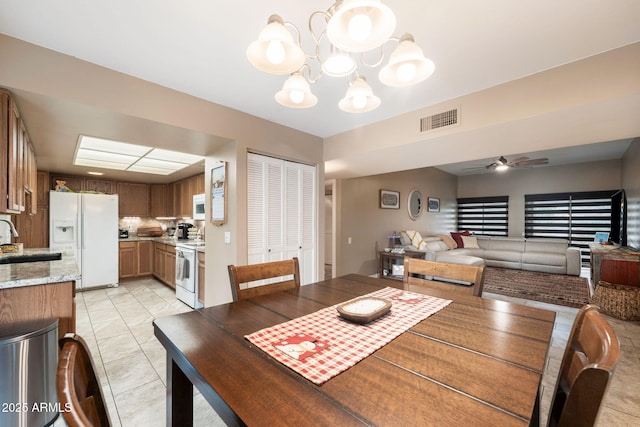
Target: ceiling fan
<point>502,163</point>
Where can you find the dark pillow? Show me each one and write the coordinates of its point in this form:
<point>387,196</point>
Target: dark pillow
<point>456,237</point>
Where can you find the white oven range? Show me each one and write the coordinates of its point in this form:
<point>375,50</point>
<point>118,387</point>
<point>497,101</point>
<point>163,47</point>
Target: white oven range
<point>187,275</point>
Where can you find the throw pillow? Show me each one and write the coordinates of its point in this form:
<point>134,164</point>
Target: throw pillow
<point>447,240</point>
<point>470,242</point>
<point>405,240</point>
<point>416,240</point>
<point>456,237</point>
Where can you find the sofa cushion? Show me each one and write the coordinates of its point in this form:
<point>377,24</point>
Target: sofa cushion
<point>457,258</point>
<point>416,240</point>
<point>469,242</point>
<point>437,246</point>
<point>448,240</point>
<point>544,258</point>
<point>498,255</point>
<point>458,240</point>
<point>546,245</point>
<point>505,244</point>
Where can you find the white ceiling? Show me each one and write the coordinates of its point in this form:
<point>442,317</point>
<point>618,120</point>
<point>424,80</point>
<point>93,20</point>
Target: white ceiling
<point>198,47</point>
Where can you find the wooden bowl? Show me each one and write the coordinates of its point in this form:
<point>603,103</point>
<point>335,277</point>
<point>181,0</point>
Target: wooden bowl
<point>364,310</point>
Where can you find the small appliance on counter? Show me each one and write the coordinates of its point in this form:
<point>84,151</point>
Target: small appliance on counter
<point>123,233</point>
<point>171,231</point>
<point>183,230</point>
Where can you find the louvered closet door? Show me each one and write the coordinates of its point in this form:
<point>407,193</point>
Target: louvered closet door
<point>281,217</point>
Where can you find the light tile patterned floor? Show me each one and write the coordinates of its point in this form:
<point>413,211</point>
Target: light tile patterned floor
<point>116,322</point>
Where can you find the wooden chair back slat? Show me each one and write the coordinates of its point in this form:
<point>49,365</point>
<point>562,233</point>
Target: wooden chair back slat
<point>587,366</point>
<point>245,274</point>
<point>430,274</point>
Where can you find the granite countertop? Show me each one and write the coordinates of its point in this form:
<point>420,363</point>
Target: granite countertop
<point>200,247</point>
<point>38,273</point>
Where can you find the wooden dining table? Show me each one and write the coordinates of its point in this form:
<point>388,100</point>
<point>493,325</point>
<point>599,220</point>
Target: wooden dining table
<point>478,361</point>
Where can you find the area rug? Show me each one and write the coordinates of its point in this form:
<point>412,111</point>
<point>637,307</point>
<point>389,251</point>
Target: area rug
<point>560,289</point>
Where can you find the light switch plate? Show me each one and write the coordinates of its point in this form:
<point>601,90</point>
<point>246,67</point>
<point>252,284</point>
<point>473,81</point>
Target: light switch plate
<point>227,237</point>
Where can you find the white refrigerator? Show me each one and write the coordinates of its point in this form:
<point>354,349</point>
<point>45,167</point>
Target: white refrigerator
<point>87,224</point>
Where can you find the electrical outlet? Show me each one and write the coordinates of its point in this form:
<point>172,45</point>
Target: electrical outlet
<point>348,240</point>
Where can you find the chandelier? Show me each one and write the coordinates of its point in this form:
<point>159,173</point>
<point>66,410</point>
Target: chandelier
<point>350,29</point>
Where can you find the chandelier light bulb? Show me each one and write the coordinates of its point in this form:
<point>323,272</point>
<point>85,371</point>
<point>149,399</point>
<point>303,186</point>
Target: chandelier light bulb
<point>359,101</point>
<point>406,72</point>
<point>296,96</point>
<point>338,64</point>
<point>275,52</point>
<point>360,27</point>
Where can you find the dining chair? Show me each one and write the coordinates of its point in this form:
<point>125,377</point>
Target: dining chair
<point>587,365</point>
<point>467,279</point>
<point>246,274</point>
<point>79,392</point>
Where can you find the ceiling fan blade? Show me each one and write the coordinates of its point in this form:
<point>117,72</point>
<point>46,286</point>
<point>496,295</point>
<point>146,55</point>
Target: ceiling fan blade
<point>474,168</point>
<point>518,160</point>
<point>533,162</point>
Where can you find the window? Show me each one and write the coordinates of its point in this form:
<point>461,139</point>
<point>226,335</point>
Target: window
<point>484,215</point>
<point>575,217</point>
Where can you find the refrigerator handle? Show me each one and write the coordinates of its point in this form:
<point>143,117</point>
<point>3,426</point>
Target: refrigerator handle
<point>81,220</point>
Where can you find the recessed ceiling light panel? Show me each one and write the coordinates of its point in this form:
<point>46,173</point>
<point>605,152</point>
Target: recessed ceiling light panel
<point>108,154</point>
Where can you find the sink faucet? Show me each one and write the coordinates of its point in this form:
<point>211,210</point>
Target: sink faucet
<point>12,228</point>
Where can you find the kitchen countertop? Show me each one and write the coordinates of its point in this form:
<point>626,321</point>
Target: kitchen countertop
<point>38,273</point>
<point>200,247</point>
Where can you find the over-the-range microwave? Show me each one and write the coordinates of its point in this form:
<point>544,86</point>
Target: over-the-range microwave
<point>198,207</point>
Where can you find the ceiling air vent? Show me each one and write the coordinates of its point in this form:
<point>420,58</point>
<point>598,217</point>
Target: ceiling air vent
<point>446,118</point>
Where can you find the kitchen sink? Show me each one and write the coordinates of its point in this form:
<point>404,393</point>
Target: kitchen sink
<point>55,256</point>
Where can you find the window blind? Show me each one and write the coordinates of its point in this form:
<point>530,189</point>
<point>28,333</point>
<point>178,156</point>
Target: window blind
<point>484,215</point>
<point>575,217</point>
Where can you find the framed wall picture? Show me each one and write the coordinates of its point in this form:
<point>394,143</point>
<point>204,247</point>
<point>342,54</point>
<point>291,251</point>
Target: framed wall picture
<point>219,193</point>
<point>389,199</point>
<point>433,204</point>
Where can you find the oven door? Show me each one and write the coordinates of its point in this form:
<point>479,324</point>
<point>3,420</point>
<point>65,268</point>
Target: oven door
<point>185,269</point>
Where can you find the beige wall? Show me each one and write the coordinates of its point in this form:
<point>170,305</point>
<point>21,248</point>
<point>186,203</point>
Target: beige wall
<point>631,185</point>
<point>368,226</point>
<point>515,183</point>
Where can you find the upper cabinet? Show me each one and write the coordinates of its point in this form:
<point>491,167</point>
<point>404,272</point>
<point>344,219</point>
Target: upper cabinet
<point>17,160</point>
<point>133,199</point>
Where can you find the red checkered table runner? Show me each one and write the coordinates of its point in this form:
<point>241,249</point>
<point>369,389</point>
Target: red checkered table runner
<point>320,345</point>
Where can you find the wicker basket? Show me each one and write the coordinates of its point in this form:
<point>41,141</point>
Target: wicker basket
<point>619,301</point>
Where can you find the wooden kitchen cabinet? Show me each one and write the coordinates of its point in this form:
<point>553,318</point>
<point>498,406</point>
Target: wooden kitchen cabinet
<point>99,185</point>
<point>164,265</point>
<point>40,302</point>
<point>197,184</point>
<point>34,228</point>
<point>42,189</point>
<point>11,156</point>
<point>133,199</point>
<point>127,260</point>
<point>135,259</point>
<point>201,277</point>
<point>161,205</point>
<point>145,258</point>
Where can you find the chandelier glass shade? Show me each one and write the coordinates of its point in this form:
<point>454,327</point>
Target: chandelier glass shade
<point>296,93</point>
<point>352,27</point>
<point>359,98</point>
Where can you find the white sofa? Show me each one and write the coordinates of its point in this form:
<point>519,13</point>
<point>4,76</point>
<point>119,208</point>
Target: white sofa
<point>544,255</point>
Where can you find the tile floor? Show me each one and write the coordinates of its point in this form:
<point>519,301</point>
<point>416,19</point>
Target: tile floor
<point>116,322</point>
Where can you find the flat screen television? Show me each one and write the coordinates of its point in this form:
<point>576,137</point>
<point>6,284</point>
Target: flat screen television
<point>618,233</point>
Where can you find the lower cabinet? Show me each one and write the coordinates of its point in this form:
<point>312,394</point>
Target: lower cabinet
<point>164,263</point>
<point>135,259</point>
<point>41,302</point>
